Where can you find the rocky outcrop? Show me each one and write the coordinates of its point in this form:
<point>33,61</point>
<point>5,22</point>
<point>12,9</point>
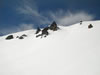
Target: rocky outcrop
<point>9,37</point>
<point>38,30</point>
<point>44,32</point>
<point>22,36</point>
<point>53,26</point>
<point>90,26</point>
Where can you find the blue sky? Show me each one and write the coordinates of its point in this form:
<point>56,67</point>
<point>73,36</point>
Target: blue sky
<point>18,15</point>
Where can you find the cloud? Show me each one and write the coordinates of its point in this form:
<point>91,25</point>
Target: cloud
<point>23,27</point>
<point>68,18</point>
<point>30,11</point>
<point>14,29</point>
<point>8,30</point>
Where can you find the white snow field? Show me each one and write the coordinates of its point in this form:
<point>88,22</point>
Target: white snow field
<point>72,50</point>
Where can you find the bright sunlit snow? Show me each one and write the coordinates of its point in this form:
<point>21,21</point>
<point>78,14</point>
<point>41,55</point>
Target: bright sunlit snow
<point>72,50</point>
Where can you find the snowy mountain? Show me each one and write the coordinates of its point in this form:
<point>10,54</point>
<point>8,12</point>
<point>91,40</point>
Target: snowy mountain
<point>72,50</point>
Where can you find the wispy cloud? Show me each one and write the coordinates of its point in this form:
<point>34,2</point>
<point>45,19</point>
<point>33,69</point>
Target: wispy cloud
<point>14,29</point>
<point>62,17</point>
<point>23,27</point>
<point>28,9</point>
<point>68,18</point>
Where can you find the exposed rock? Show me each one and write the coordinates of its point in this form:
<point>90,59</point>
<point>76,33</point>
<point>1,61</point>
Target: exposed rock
<point>38,30</point>
<point>24,35</point>
<point>44,32</point>
<point>17,37</point>
<point>90,26</point>
<point>54,26</point>
<point>9,37</point>
<point>21,37</point>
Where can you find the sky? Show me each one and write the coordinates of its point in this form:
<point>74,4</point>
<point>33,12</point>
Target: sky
<point>19,15</point>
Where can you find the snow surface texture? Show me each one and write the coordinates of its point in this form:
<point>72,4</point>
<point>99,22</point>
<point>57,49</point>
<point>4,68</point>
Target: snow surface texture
<point>72,50</point>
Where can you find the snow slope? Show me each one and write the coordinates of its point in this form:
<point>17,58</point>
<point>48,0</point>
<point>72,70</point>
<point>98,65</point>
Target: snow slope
<point>72,50</point>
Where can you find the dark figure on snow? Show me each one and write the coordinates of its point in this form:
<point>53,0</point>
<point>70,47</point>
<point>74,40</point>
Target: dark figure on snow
<point>54,26</point>
<point>81,22</point>
<point>44,32</point>
<point>38,30</point>
<point>90,26</point>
